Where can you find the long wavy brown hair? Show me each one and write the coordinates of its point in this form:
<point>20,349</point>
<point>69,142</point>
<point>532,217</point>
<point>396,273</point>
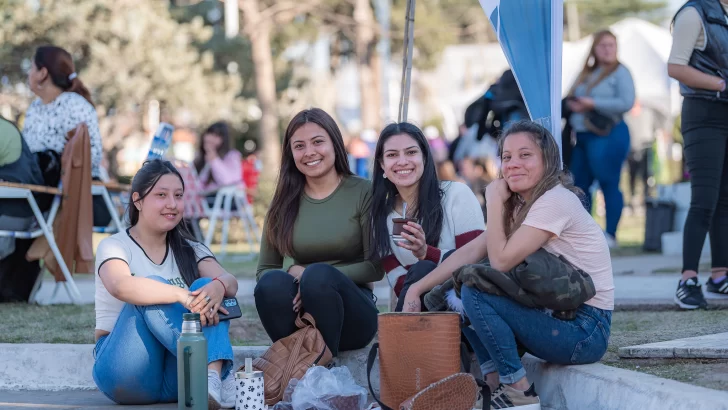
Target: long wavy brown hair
<point>291,182</point>
<point>592,63</point>
<point>516,208</point>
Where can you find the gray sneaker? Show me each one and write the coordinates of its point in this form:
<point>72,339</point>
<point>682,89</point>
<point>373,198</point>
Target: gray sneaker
<point>214,387</point>
<point>506,397</point>
<point>228,393</point>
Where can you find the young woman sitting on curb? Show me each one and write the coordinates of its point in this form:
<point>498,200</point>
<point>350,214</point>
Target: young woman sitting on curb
<point>315,241</point>
<point>534,205</point>
<point>448,214</point>
<point>146,278</point>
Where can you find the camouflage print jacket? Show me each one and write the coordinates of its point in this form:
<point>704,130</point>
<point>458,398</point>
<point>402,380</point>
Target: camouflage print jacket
<point>542,280</point>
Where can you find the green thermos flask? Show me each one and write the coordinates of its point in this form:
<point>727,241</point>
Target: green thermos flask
<point>191,365</point>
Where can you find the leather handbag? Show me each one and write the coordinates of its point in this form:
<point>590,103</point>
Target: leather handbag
<point>415,351</point>
<point>598,123</point>
<point>290,357</point>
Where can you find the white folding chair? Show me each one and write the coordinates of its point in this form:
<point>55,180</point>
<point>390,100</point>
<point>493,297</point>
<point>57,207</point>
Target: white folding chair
<point>100,190</point>
<point>20,191</point>
<point>196,208</point>
<point>224,198</point>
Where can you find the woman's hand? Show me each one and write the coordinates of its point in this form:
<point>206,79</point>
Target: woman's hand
<point>412,300</point>
<point>207,301</point>
<point>417,240</point>
<point>296,271</point>
<point>497,191</point>
<point>297,301</point>
<point>587,103</point>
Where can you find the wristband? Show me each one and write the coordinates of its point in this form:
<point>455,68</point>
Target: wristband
<point>223,285</point>
<point>721,83</point>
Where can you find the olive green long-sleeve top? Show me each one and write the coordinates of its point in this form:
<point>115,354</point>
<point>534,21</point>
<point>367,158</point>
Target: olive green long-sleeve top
<point>334,230</point>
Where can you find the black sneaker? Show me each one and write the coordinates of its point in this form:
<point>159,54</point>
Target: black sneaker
<point>689,295</point>
<point>720,288</point>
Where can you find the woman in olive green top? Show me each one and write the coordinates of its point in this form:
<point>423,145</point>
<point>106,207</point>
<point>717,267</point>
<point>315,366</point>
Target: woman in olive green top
<point>315,241</point>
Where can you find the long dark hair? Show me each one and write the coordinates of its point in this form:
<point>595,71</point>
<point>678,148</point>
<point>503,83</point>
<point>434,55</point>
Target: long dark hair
<point>178,238</point>
<point>291,182</point>
<point>220,129</point>
<point>428,209</point>
<point>516,208</point>
<point>59,64</point>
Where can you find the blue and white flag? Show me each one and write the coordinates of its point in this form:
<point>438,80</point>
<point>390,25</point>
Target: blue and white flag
<point>531,33</point>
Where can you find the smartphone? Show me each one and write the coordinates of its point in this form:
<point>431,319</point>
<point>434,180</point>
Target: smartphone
<point>233,308</point>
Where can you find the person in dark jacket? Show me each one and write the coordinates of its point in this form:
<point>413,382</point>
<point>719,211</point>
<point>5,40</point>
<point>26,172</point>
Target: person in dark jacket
<point>701,67</point>
<point>18,165</point>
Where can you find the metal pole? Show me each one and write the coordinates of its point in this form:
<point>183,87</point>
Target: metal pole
<point>407,60</point>
<point>383,15</point>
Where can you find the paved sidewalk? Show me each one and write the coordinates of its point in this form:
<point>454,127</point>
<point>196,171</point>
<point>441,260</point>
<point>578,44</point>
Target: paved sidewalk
<point>65,400</point>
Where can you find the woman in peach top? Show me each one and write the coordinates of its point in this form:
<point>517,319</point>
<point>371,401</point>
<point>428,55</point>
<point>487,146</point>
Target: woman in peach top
<point>533,205</point>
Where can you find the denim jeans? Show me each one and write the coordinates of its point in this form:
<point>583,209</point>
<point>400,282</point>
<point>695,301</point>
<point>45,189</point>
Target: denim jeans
<point>137,362</point>
<point>499,321</point>
<point>601,158</point>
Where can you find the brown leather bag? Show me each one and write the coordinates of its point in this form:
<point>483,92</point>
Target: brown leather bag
<point>290,357</point>
<point>415,351</point>
<point>457,392</point>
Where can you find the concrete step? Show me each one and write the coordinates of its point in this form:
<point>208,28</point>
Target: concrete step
<point>63,367</point>
<point>701,347</point>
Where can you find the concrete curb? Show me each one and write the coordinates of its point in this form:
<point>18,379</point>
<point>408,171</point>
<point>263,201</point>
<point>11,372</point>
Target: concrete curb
<point>597,386</point>
<point>56,367</point>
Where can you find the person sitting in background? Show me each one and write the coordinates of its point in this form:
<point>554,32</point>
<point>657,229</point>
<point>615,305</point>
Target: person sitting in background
<point>313,253</point>
<point>218,164</point>
<point>532,206</point>
<point>19,165</point>
<point>447,214</point>
<point>252,166</point>
<point>63,103</point>
<point>146,278</point>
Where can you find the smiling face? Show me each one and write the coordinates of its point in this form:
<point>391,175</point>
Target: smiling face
<point>522,163</point>
<point>313,151</point>
<point>161,209</point>
<point>403,161</point>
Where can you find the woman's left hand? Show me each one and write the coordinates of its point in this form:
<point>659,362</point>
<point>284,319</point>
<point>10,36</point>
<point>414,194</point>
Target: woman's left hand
<point>208,300</point>
<point>412,300</point>
<point>497,191</point>
<point>417,240</point>
<point>587,103</point>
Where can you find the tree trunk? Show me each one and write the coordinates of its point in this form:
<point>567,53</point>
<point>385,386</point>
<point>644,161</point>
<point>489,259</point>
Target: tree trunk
<point>259,33</point>
<point>365,51</point>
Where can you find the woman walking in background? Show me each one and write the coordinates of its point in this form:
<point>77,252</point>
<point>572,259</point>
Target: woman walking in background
<point>699,61</point>
<point>602,93</point>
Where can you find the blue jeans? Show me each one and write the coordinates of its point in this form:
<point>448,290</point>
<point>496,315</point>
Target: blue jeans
<point>601,158</point>
<point>137,362</point>
<point>498,321</point>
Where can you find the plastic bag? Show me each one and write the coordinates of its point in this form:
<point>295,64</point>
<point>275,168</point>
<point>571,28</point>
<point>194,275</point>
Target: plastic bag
<point>324,389</point>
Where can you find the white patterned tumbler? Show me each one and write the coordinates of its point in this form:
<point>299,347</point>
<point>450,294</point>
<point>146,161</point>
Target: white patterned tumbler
<point>249,389</point>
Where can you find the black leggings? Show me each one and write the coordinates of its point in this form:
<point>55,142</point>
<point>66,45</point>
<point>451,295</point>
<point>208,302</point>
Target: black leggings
<point>345,313</point>
<point>705,132</point>
<point>416,272</point>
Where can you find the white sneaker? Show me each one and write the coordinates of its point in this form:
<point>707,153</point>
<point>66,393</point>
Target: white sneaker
<point>214,387</point>
<point>228,392</point>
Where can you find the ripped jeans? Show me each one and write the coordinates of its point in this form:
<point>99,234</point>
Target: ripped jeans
<point>137,362</point>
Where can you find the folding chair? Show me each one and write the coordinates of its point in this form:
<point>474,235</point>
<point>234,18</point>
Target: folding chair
<point>196,208</point>
<point>98,189</point>
<point>10,190</point>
